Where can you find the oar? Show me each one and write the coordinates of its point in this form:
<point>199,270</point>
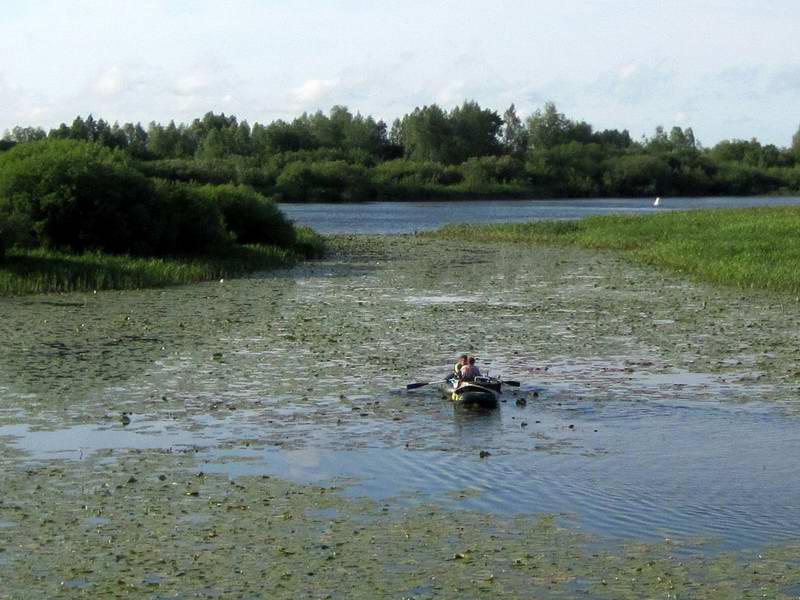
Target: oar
<point>413,386</point>
<point>511,383</point>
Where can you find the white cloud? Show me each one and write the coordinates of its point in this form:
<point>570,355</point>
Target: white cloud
<point>314,90</point>
<point>681,118</point>
<point>22,106</point>
<point>608,63</point>
<point>786,80</point>
<point>110,83</point>
<point>192,84</point>
<point>451,93</point>
<point>628,71</point>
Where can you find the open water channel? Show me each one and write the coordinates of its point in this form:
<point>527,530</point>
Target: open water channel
<point>408,217</point>
<point>652,409</point>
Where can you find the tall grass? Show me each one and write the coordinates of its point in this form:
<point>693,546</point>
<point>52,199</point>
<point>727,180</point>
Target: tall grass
<point>39,271</point>
<point>308,243</point>
<point>747,248</point>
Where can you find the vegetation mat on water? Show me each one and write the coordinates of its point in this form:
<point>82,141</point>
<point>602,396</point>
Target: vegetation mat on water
<point>747,248</point>
<point>40,271</point>
<point>153,525</point>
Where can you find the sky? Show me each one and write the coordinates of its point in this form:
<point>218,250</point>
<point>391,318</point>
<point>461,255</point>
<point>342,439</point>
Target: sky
<point>728,69</point>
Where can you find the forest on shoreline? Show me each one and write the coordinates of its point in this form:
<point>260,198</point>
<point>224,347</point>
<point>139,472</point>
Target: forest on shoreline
<point>203,195</point>
<point>432,153</point>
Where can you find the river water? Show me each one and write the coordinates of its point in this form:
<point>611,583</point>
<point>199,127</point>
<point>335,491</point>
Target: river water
<point>651,407</point>
<point>407,217</point>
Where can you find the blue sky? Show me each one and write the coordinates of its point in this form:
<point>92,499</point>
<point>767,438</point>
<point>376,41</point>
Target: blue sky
<point>729,69</point>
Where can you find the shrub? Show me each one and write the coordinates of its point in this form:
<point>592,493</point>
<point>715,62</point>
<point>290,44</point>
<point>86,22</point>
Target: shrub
<point>403,171</point>
<point>188,222</point>
<point>309,243</point>
<point>486,171</point>
<point>13,232</point>
<point>251,217</point>
<point>333,180</point>
<point>637,175</point>
<point>190,170</point>
<point>740,179</point>
<point>77,195</point>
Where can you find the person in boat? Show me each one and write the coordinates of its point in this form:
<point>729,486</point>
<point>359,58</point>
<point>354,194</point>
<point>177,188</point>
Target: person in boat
<point>470,371</point>
<point>463,361</point>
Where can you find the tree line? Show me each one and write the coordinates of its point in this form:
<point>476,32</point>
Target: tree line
<point>469,151</point>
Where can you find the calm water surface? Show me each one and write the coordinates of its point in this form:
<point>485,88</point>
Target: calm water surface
<point>407,217</point>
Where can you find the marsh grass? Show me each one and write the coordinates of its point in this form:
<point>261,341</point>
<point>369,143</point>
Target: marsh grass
<point>40,271</point>
<point>747,248</point>
<point>308,243</point>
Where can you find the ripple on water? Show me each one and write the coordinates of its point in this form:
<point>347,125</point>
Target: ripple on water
<point>681,471</point>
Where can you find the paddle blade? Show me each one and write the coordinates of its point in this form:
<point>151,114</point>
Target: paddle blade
<point>511,383</point>
<point>413,386</point>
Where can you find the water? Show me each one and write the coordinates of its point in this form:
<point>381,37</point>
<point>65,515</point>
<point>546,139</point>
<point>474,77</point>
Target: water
<point>679,469</point>
<point>407,217</point>
<point>650,406</point>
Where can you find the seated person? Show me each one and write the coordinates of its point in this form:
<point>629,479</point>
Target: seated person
<point>469,371</point>
<point>456,372</point>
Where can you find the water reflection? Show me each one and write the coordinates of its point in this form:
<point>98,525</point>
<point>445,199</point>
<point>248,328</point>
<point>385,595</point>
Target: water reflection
<point>475,426</point>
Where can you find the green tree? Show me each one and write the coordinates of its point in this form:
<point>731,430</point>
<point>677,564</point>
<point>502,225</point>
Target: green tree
<point>514,135</point>
<point>475,132</point>
<point>682,139</point>
<point>136,140</point>
<point>676,139</point>
<point>613,138</point>
<point>573,169</point>
<point>426,135</point>
<point>213,146</point>
<point>23,135</point>
<point>170,141</point>
<point>637,175</point>
<point>548,128</point>
<point>280,136</point>
<point>77,195</point>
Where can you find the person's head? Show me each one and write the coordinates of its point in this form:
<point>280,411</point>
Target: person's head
<point>472,360</point>
<point>463,359</point>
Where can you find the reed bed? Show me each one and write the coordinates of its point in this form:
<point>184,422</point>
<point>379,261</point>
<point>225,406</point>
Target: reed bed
<point>746,248</point>
<point>43,271</point>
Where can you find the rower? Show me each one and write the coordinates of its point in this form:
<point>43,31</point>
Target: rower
<point>463,361</point>
<point>470,371</point>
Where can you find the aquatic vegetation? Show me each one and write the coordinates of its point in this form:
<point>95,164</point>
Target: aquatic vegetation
<point>192,415</point>
<point>42,271</point>
<point>746,248</point>
<point>149,523</point>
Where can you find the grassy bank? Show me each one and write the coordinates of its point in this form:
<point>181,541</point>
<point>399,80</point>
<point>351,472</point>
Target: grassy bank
<point>41,271</point>
<point>747,248</point>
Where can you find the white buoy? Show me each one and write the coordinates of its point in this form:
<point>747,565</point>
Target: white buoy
<point>657,202</point>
